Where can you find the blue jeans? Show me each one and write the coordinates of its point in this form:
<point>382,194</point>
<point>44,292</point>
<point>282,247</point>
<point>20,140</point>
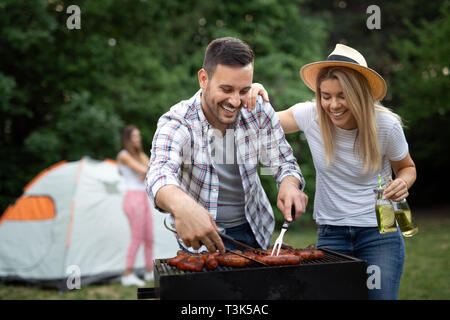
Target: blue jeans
<point>242,233</point>
<point>384,254</point>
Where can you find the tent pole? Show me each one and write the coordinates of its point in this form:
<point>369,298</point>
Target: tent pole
<point>63,286</point>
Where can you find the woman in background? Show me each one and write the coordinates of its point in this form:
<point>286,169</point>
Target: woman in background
<point>133,166</point>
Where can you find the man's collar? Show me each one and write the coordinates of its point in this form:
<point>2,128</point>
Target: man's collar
<point>198,105</point>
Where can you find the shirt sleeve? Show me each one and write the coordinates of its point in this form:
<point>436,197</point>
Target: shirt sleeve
<point>275,153</point>
<point>167,154</point>
<point>397,146</point>
<point>304,114</point>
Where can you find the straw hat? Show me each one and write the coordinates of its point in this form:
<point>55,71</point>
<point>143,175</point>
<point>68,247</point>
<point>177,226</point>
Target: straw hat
<point>344,56</point>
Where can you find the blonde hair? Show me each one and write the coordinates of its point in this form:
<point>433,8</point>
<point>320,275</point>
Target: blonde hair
<point>363,106</point>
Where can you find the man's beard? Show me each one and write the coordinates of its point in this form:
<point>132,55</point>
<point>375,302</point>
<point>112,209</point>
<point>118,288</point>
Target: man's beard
<point>214,108</point>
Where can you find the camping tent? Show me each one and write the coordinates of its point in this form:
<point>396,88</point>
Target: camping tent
<point>70,217</point>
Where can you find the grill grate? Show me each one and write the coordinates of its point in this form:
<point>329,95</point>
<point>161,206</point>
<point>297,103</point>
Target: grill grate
<point>335,276</point>
<point>330,257</point>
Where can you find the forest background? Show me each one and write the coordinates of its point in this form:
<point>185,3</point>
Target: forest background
<point>67,93</point>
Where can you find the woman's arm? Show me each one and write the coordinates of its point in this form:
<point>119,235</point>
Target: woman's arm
<point>405,176</point>
<point>287,121</point>
<point>256,89</point>
<point>286,117</point>
<point>126,159</point>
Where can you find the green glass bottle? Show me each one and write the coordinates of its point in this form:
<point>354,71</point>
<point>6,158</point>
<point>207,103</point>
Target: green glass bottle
<point>385,213</point>
<point>404,218</point>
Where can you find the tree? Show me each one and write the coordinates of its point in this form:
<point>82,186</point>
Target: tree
<point>66,93</point>
<point>421,82</point>
<point>411,52</point>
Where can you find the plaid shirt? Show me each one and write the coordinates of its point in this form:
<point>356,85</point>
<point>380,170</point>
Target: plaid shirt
<point>182,155</point>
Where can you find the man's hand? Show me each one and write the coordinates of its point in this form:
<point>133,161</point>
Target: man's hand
<point>193,223</point>
<point>195,227</point>
<point>289,195</point>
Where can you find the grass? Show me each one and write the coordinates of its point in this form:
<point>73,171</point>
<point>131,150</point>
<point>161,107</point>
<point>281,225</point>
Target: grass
<point>426,270</point>
<point>425,274</point>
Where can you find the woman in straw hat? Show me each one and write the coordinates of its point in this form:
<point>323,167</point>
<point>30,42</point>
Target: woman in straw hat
<point>353,139</point>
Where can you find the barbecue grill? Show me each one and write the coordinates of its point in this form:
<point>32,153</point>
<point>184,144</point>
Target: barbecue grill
<point>335,276</point>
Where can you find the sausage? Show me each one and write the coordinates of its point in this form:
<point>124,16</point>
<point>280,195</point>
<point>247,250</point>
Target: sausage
<point>317,254</point>
<point>250,254</point>
<point>190,265</point>
<point>174,261</point>
<point>304,254</point>
<point>187,262</point>
<point>282,252</point>
<point>281,260</point>
<point>309,254</point>
<point>211,262</point>
<point>192,262</point>
<point>233,260</point>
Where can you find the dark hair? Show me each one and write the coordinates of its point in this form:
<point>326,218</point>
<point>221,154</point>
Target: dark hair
<point>126,136</point>
<point>135,152</point>
<point>227,51</point>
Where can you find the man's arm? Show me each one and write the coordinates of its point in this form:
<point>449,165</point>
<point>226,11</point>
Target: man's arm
<point>193,223</point>
<point>289,194</point>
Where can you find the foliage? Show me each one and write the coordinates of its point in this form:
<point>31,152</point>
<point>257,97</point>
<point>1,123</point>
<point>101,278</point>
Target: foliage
<point>67,93</point>
<point>411,52</point>
<point>422,78</point>
<point>422,72</point>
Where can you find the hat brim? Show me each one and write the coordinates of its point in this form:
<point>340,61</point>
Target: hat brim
<point>309,73</point>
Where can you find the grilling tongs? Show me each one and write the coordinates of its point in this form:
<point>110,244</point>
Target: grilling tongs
<point>279,242</point>
<point>230,239</point>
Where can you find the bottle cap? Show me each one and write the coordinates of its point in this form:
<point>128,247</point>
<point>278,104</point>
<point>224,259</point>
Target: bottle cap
<point>378,189</point>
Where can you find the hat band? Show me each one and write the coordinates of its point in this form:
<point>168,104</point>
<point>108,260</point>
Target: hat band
<point>338,57</point>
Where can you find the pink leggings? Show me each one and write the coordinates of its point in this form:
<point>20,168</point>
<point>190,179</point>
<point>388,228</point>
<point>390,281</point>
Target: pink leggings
<point>137,208</point>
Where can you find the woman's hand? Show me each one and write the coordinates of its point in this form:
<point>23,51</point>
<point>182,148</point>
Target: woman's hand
<point>405,175</point>
<point>397,190</point>
<point>257,89</point>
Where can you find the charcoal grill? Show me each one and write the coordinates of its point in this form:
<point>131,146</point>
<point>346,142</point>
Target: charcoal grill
<point>335,276</point>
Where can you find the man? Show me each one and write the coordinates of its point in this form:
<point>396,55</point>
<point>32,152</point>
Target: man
<point>205,154</point>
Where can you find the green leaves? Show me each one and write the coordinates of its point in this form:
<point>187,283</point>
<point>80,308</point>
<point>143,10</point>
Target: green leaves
<point>79,128</point>
<point>422,73</point>
<point>65,93</point>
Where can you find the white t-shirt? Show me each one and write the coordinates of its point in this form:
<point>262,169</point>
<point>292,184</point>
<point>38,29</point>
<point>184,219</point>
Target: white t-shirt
<point>131,177</point>
<point>344,195</point>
